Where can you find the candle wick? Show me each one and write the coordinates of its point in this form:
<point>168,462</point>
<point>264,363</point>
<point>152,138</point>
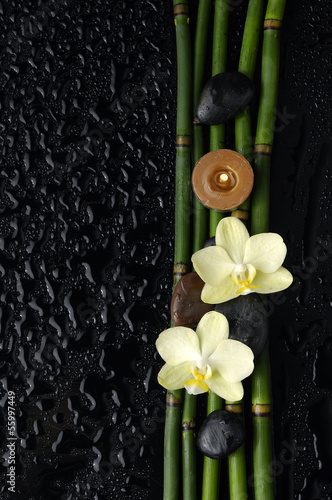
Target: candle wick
<point>223,178</point>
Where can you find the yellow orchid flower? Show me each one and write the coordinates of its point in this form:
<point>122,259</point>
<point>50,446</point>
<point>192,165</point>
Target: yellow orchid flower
<point>204,360</point>
<point>239,264</point>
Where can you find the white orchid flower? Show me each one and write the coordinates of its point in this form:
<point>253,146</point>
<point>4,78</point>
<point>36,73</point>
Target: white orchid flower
<point>239,264</point>
<point>204,360</point>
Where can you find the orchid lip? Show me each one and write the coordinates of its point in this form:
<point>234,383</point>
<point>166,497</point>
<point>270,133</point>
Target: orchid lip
<point>200,369</point>
<point>243,275</point>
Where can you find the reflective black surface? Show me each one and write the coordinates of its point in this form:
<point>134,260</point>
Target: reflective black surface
<point>87,126</point>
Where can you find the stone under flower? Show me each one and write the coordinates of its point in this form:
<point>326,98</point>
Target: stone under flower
<point>239,264</point>
<point>205,360</point>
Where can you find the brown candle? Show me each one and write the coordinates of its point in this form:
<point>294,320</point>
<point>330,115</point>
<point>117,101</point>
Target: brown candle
<point>222,179</point>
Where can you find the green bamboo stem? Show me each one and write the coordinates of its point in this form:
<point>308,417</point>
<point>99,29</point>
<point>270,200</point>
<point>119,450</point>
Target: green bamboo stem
<point>211,466</point>
<point>266,114</point>
<point>203,18</point>
<point>247,65</point>
<point>260,210</point>
<point>199,237</point>
<point>201,37</point>
<point>219,58</point>
<point>172,445</point>
<point>182,230</point>
<point>237,470</point>
<point>244,145</point>
<point>238,474</point>
<point>262,428</point>
<point>261,390</point>
<point>183,140</point>
<point>189,447</point>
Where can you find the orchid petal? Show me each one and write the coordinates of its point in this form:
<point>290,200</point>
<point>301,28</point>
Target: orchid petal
<point>178,345</point>
<point>266,252</point>
<point>217,295</point>
<point>195,387</point>
<point>212,264</point>
<point>233,360</point>
<point>211,330</point>
<point>232,234</point>
<point>174,377</point>
<point>226,390</point>
<point>273,282</point>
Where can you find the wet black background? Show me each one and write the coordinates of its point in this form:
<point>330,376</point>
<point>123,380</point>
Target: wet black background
<point>87,127</point>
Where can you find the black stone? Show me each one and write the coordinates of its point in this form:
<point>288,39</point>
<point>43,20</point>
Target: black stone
<point>247,318</point>
<point>210,242</point>
<point>223,97</point>
<point>220,435</point>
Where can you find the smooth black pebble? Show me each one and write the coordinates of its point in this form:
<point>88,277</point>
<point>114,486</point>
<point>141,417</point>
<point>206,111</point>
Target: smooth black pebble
<point>210,242</point>
<point>220,435</point>
<point>223,97</point>
<point>247,318</point>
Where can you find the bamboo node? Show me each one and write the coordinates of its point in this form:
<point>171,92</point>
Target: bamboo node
<point>183,141</point>
<point>181,268</point>
<point>189,426</point>
<point>234,408</point>
<point>241,214</point>
<point>261,410</point>
<point>272,24</point>
<point>173,401</point>
<point>263,149</point>
<point>181,9</point>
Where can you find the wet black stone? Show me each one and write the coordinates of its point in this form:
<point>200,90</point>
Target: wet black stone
<point>220,435</point>
<point>210,242</point>
<point>247,318</point>
<point>223,97</point>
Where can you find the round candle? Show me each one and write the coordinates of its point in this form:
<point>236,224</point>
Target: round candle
<point>222,179</point>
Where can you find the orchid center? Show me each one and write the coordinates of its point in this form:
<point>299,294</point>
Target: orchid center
<point>243,275</point>
<point>200,369</point>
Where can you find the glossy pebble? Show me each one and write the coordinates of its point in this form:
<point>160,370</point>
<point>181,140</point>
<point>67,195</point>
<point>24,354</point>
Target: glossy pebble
<point>220,435</point>
<point>187,308</point>
<point>247,318</point>
<point>223,97</point>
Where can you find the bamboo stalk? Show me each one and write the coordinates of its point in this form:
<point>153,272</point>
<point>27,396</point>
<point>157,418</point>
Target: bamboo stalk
<point>172,445</point>
<point>189,447</point>
<point>247,65</point>
<point>237,470</point>
<point>182,230</point>
<point>261,390</point>
<point>262,428</point>
<point>219,58</point>
<point>211,466</point>
<point>266,114</point>
<point>200,212</point>
<point>237,475</point>
<point>244,145</point>
<point>183,140</point>
<point>199,237</point>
